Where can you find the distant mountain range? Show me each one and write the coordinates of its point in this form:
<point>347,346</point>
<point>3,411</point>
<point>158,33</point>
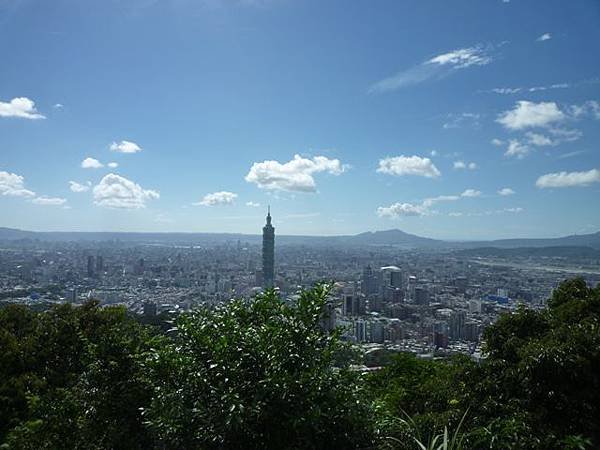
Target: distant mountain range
<point>394,237</point>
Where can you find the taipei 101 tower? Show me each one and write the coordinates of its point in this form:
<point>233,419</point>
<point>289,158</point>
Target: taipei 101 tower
<point>268,253</point>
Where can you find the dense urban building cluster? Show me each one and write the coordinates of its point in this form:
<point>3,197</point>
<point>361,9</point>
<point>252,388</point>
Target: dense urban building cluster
<point>422,301</point>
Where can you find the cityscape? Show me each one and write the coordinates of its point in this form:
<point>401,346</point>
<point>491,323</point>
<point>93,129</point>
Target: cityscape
<point>427,301</point>
<point>299,225</point>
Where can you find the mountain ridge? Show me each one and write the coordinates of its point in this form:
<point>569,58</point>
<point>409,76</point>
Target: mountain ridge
<point>392,237</point>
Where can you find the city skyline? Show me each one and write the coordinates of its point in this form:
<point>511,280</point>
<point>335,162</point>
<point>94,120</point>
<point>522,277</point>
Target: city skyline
<point>345,119</point>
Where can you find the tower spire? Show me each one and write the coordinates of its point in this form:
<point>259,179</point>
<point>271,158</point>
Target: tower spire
<point>268,252</point>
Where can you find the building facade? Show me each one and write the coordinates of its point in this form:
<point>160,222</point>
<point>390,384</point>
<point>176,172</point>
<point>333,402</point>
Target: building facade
<point>268,253</point>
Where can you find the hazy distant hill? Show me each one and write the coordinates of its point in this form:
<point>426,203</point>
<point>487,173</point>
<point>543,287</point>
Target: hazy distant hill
<point>577,240</point>
<point>580,252</point>
<point>387,238</point>
<point>393,237</point>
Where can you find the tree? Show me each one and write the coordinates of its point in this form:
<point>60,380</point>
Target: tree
<point>80,378</point>
<point>256,373</point>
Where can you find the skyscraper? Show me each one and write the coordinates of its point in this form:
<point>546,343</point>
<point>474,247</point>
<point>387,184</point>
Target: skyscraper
<point>268,253</point>
<point>90,266</point>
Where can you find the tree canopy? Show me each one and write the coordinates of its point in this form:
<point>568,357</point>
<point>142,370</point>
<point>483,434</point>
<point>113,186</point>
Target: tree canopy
<point>262,373</point>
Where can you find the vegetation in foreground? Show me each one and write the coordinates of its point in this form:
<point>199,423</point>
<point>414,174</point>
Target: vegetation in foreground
<point>261,373</point>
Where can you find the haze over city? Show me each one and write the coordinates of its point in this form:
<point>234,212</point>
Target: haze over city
<point>452,120</point>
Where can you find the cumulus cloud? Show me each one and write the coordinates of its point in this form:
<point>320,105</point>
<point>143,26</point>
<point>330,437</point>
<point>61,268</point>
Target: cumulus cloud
<point>463,165</point>
<point>13,185</point>
<point>91,163</point>
<point>591,108</point>
<point>557,137</point>
<point>408,165</point>
<point>517,149</point>
<point>544,37</point>
<point>253,204</point>
<point>436,67</point>
<point>528,114</point>
<point>125,147</point>
<point>470,193</point>
<point>21,107</point>
<point>397,210</point>
<point>115,191</point>
<point>296,175</point>
<point>506,191</point>
<point>113,165</point>
<point>538,139</point>
<point>79,187</point>
<point>568,179</point>
<point>497,142</point>
<point>218,198</point>
<point>402,210</point>
<point>49,201</point>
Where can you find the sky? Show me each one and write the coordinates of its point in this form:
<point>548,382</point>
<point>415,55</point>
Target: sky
<point>446,119</point>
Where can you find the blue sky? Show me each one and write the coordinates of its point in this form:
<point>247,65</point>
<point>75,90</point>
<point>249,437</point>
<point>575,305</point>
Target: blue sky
<point>448,119</point>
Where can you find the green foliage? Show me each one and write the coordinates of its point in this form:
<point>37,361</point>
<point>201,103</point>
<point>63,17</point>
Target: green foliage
<point>72,378</point>
<point>539,387</point>
<point>256,374</point>
<point>261,373</point>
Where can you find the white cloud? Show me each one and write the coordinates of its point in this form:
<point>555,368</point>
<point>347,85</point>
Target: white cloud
<point>530,114</point>
<point>397,210</point>
<point>463,165</point>
<point>253,204</point>
<point>49,201</point>
<point>497,142</point>
<point>551,86</point>
<point>115,191</point>
<point>538,139</point>
<point>91,163</point>
<point>544,37</point>
<point>58,106</point>
<point>493,212</point>
<point>436,67</point>
<point>506,191</point>
<point>113,165</point>
<point>125,147</point>
<point>568,179</point>
<point>218,198</point>
<point>429,202</point>
<point>505,90</point>
<point>20,107</point>
<point>517,149</point>
<point>13,185</point>
<point>463,57</point>
<point>565,135</point>
<point>471,193</point>
<point>590,108</point>
<point>433,153</point>
<point>78,187</point>
<point>516,90</point>
<point>461,120</point>
<point>408,165</point>
<point>295,175</point>
<point>402,210</point>
<point>455,214</point>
